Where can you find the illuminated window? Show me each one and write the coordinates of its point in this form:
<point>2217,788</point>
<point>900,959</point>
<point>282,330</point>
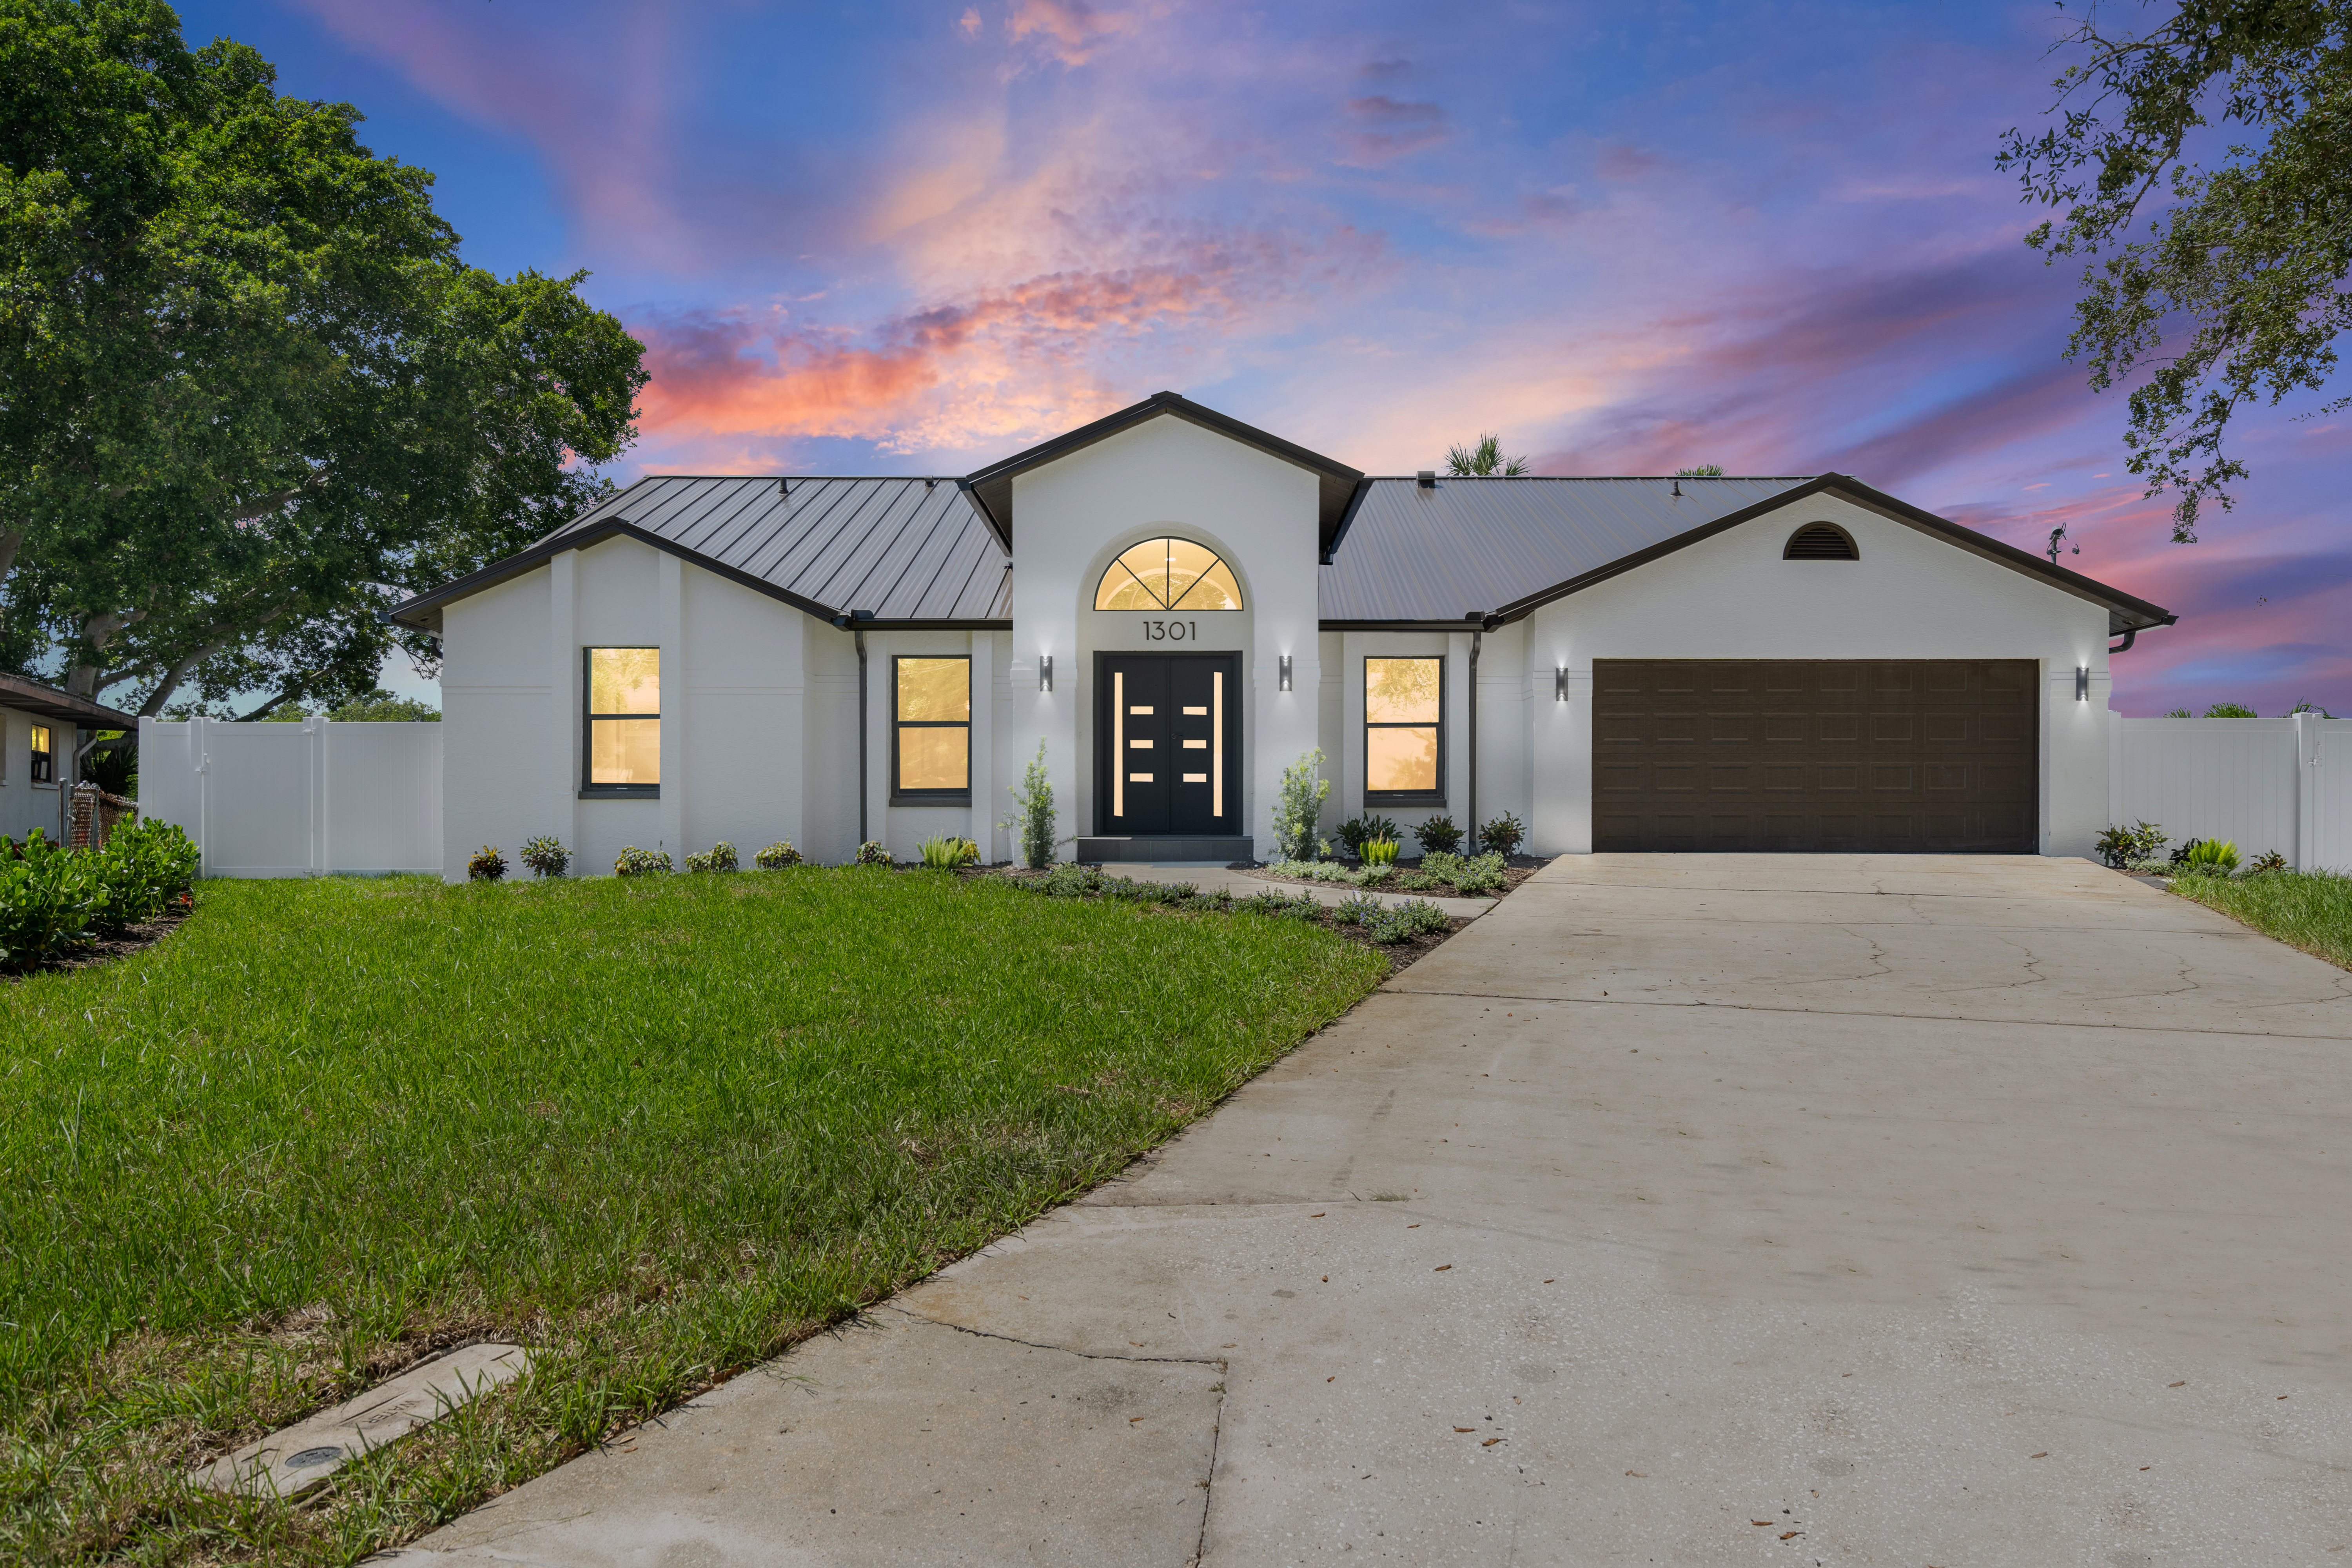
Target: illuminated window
<point>623,721</point>
<point>44,760</point>
<point>1404,732</point>
<point>1169,575</point>
<point>930,732</point>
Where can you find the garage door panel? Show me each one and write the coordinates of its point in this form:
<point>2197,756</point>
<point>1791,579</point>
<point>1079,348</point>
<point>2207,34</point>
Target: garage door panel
<point>1938,755</point>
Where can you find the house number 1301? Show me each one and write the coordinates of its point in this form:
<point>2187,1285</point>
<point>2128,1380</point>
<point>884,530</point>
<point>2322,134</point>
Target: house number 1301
<point>1171,631</point>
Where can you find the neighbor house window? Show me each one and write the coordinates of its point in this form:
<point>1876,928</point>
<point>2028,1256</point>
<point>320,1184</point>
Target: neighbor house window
<point>930,732</point>
<point>1168,575</point>
<point>1404,732</point>
<point>623,721</point>
<point>43,769</point>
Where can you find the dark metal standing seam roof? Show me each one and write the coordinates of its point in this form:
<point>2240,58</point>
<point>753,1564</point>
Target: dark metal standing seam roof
<point>905,548</point>
<point>1468,546</point>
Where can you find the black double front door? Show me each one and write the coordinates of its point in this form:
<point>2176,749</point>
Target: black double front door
<point>1168,748</point>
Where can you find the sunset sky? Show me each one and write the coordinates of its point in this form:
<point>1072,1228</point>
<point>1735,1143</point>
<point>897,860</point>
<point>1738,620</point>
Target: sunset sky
<point>914,239</point>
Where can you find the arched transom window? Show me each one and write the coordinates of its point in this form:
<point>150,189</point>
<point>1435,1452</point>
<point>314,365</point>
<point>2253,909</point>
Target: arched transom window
<point>1168,575</point>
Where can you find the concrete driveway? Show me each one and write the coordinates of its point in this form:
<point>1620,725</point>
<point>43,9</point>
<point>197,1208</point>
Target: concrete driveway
<point>1686,1209</point>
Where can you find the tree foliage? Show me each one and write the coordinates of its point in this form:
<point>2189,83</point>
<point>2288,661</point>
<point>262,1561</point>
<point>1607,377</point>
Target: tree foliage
<point>2233,292</point>
<point>1486,458</point>
<point>249,391</point>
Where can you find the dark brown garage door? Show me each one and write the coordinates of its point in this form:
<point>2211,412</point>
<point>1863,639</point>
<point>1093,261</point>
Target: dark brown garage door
<point>1864,757</point>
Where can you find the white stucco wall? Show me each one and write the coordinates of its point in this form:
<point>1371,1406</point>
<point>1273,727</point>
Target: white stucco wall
<point>1167,476</point>
<point>23,804</point>
<point>1910,595</point>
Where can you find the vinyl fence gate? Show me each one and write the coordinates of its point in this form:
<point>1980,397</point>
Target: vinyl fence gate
<point>297,799</point>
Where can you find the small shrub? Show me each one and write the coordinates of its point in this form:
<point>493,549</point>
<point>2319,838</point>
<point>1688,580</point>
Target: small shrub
<point>2268,863</point>
<point>1406,921</point>
<point>777,856</point>
<point>1359,909</point>
<point>2151,868</point>
<point>946,854</point>
<point>1503,835</point>
<point>635,862</point>
<point>1480,874</point>
<point>1067,881</point>
<point>546,856</point>
<point>2209,857</point>
<point>1379,852</point>
<point>873,852</point>
<point>2119,846</point>
<point>1298,806</point>
<point>1438,836</point>
<point>145,867</point>
<point>1274,901</point>
<point>487,865</point>
<point>49,897</point>
<point>1329,871</point>
<point>2231,711</point>
<point>720,856</point>
<point>1358,831</point>
<point>1033,819</point>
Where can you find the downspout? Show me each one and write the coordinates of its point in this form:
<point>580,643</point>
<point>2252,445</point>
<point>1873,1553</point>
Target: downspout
<point>1477,635</point>
<point>862,746</point>
<point>2125,647</point>
<point>852,621</point>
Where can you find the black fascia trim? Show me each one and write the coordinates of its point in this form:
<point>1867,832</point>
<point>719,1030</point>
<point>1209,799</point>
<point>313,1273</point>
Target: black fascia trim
<point>987,515</point>
<point>997,478</point>
<point>1338,535</point>
<point>2124,609</point>
<point>422,611</point>
<point>1464,624</point>
<point>875,624</point>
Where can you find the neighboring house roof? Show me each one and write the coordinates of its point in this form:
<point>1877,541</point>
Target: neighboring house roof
<point>1463,546</point>
<point>1336,483</point>
<point>905,548</point>
<point>49,702</point>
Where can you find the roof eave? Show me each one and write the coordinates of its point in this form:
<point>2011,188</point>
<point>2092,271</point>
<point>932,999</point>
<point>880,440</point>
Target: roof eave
<point>2125,612</point>
<point>45,701</point>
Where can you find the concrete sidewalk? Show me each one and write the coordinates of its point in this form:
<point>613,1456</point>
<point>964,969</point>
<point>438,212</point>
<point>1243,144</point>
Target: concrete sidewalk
<point>1684,1209</point>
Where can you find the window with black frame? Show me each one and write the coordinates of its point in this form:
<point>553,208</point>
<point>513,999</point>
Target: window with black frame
<point>623,723</point>
<point>930,729</point>
<point>44,766</point>
<point>1404,732</point>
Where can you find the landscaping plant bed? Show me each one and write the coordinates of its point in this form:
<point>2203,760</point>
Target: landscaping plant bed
<point>655,1128</point>
<point>1402,936</point>
<point>1514,869</point>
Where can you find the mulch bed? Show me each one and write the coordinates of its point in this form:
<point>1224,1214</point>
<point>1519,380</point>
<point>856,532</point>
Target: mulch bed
<point>1516,869</point>
<point>133,940</point>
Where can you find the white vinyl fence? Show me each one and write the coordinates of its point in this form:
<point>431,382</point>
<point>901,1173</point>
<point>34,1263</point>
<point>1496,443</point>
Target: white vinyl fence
<point>297,800</point>
<point>2262,784</point>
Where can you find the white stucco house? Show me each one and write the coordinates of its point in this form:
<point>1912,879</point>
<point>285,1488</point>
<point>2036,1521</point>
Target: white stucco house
<point>1178,605</point>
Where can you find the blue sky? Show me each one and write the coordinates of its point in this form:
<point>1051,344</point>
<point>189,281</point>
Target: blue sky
<point>911,238</point>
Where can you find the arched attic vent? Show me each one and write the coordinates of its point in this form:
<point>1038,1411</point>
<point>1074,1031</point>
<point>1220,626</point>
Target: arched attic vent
<point>1820,542</point>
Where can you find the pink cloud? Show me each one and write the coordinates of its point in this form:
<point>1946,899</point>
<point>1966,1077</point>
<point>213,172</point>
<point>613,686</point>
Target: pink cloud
<point>1069,30</point>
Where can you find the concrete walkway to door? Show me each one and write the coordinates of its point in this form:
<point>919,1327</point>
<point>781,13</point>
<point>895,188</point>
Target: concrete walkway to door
<point>1687,1210</point>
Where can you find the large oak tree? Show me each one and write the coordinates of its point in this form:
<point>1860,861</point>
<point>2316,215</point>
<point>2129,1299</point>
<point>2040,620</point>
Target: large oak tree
<point>248,389</point>
<point>2226,125</point>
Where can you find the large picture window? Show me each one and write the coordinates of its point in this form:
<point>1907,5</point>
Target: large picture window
<point>1168,575</point>
<point>623,721</point>
<point>930,730</point>
<point>1404,732</point>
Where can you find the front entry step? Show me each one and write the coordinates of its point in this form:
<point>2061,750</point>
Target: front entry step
<point>1155,848</point>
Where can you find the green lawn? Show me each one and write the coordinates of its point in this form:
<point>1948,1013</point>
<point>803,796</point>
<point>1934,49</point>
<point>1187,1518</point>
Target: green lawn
<point>2309,909</point>
<point>658,1129</point>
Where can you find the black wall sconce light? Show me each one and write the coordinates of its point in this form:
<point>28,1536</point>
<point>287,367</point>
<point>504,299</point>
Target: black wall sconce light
<point>2081,683</point>
<point>1560,683</point>
<point>1045,672</point>
<point>1284,677</point>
